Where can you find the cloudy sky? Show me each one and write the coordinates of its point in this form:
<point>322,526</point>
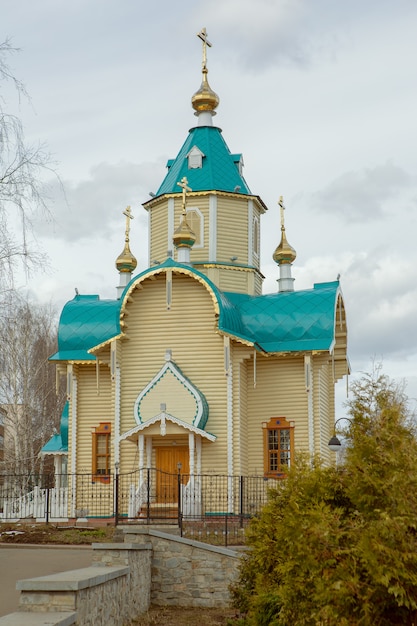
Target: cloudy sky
<point>320,97</point>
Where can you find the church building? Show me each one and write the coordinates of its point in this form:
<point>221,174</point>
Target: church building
<point>191,366</point>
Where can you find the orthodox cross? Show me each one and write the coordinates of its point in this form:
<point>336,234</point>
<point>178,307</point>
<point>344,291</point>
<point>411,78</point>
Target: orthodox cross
<point>129,216</point>
<point>184,184</point>
<point>203,36</point>
<point>282,209</point>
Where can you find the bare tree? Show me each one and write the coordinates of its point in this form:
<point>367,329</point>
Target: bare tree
<point>31,407</point>
<point>22,191</point>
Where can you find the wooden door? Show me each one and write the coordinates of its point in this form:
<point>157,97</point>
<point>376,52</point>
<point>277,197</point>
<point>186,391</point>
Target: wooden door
<point>167,460</point>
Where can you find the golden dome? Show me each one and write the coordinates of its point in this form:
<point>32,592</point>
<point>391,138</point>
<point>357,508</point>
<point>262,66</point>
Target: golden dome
<point>126,262</point>
<point>205,99</point>
<point>184,236</point>
<point>284,253</point>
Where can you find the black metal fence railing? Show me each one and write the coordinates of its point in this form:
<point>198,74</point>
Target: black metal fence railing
<point>207,507</point>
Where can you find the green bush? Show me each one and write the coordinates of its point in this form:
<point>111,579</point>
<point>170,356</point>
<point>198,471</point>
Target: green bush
<point>338,545</point>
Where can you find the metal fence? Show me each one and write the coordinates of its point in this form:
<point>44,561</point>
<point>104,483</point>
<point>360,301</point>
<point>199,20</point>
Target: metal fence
<point>208,507</point>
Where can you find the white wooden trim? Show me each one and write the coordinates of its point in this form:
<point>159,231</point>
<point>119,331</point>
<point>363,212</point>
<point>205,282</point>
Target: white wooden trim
<point>308,370</point>
<point>250,232</point>
<point>230,421</point>
<point>117,416</point>
<point>212,228</point>
<point>171,225</point>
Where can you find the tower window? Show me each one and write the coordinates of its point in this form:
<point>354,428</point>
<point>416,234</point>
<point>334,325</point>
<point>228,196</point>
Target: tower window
<point>195,158</point>
<point>255,234</point>
<point>195,221</point>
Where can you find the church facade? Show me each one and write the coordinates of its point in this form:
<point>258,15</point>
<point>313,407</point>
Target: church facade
<point>191,366</point>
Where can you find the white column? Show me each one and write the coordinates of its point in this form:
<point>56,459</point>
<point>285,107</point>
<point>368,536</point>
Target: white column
<point>141,449</point>
<point>212,251</point>
<point>310,408</point>
<point>198,450</point>
<point>171,226</point>
<point>148,451</point>
<point>117,416</point>
<point>230,420</point>
<point>191,446</point>
<point>250,232</point>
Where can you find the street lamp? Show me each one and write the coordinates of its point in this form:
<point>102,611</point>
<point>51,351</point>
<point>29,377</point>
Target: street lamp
<point>334,443</point>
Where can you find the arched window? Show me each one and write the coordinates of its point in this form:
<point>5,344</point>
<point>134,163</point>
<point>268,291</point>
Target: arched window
<point>195,221</point>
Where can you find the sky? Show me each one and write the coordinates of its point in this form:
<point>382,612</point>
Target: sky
<point>320,97</point>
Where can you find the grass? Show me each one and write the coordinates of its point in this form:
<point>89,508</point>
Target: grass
<point>177,616</point>
<point>45,534</point>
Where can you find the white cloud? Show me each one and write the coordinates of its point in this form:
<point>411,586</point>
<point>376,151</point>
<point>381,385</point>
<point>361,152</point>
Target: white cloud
<point>362,195</point>
<point>90,207</point>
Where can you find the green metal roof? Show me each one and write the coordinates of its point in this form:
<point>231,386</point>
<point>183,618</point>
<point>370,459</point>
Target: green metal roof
<point>290,321</point>
<point>58,443</point>
<point>279,322</point>
<point>220,167</point>
<point>85,322</point>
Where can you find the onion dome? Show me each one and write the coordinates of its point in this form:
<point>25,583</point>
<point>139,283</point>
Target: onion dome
<point>126,262</point>
<point>184,236</point>
<point>284,253</point>
<point>205,99</point>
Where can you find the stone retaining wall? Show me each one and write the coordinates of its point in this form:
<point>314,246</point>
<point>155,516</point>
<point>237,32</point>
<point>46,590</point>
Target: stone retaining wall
<point>150,566</point>
<point>184,572</point>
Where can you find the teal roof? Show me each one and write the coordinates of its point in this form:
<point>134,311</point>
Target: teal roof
<point>286,322</point>
<point>280,322</point>
<point>85,322</point>
<point>58,443</point>
<point>220,167</point>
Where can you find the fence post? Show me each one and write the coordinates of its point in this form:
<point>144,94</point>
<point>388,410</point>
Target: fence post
<point>179,466</point>
<point>241,496</point>
<point>148,495</point>
<point>47,499</point>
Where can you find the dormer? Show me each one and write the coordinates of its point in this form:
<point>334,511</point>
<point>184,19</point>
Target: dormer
<point>238,161</point>
<point>195,158</point>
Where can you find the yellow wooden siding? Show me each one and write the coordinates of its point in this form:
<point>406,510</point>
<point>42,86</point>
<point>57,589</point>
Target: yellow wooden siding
<point>188,329</point>
<point>279,392</point>
<point>232,230</point>
<point>91,409</point>
<point>241,380</point>
<point>233,280</point>
<point>158,235</point>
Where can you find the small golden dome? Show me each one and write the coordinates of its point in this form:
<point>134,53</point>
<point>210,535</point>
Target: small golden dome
<point>205,99</point>
<point>126,262</point>
<point>284,253</point>
<point>184,236</point>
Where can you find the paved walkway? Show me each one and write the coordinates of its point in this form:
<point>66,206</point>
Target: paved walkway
<point>18,562</point>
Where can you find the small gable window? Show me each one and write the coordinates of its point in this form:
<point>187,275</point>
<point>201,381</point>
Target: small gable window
<point>195,158</point>
<point>195,221</point>
<point>101,452</point>
<point>278,446</point>
<point>255,234</point>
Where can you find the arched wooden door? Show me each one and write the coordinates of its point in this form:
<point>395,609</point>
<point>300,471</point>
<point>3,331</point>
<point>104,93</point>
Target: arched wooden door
<point>167,459</point>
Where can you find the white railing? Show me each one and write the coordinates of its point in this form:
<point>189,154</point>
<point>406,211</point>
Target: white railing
<point>137,498</point>
<point>191,498</point>
<point>34,505</point>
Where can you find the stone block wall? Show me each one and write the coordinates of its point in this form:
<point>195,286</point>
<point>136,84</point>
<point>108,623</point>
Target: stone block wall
<point>184,572</point>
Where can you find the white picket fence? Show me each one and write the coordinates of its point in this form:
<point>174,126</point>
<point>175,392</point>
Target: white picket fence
<point>35,504</point>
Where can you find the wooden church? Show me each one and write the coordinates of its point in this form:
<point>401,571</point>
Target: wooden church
<point>191,366</point>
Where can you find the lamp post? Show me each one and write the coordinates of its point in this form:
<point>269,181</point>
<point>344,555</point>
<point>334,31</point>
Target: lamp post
<point>334,443</point>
